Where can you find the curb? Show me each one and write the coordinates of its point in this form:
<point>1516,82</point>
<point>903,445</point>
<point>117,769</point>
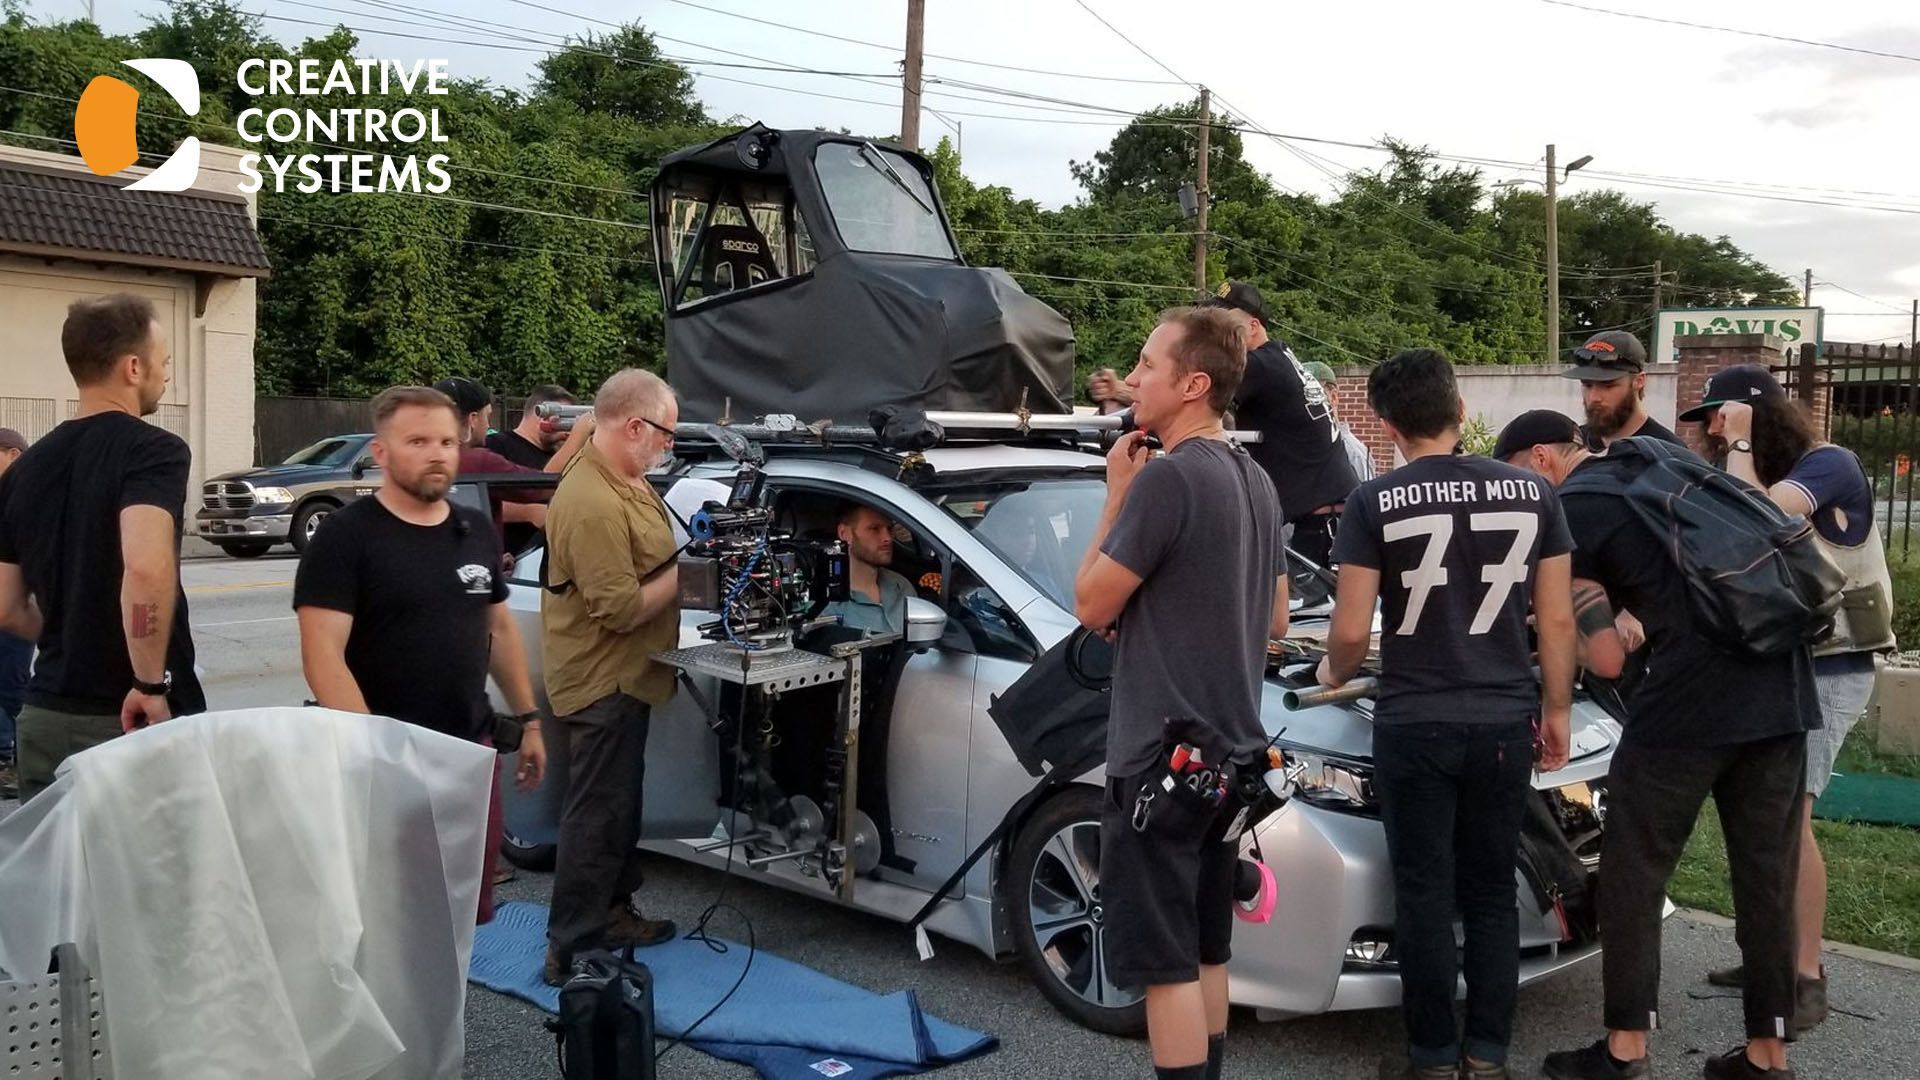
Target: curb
<point>1839,948</point>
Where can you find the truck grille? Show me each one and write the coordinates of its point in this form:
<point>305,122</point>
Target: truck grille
<point>227,495</point>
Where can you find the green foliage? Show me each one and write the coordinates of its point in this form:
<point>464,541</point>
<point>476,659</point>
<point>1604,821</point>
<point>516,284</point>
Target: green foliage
<point>377,289</point>
<point>1477,436</point>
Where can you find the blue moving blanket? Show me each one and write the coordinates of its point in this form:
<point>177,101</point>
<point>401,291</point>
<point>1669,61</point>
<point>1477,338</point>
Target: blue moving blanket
<point>786,1020</point>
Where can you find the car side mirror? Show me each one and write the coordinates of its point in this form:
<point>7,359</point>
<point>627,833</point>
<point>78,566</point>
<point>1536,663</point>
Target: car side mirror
<point>926,622</point>
<point>360,467</point>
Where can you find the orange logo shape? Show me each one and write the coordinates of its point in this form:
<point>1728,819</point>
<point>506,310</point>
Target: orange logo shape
<point>1599,346</point>
<point>103,124</point>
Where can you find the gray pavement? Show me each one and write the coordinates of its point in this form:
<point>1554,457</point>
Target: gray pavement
<point>249,646</point>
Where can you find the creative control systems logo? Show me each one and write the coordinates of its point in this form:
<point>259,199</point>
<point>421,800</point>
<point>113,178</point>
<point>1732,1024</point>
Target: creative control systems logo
<point>103,124</point>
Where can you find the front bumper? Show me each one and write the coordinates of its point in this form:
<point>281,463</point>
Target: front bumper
<point>227,528</point>
<point>1335,886</point>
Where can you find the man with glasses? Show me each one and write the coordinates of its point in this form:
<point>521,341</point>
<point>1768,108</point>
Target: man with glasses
<point>611,602</point>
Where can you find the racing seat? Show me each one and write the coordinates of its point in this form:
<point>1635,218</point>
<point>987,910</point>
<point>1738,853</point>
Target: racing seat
<point>735,257</point>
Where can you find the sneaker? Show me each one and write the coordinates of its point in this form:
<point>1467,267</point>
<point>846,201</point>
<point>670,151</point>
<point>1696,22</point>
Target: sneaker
<point>555,971</point>
<point>1482,1070</point>
<point>1399,1068</point>
<point>626,926</point>
<point>1593,1063</point>
<point>1735,1065</point>
<point>1732,978</point>
<point>1809,1003</point>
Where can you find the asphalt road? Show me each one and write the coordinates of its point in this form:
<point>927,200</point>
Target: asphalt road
<point>249,647</point>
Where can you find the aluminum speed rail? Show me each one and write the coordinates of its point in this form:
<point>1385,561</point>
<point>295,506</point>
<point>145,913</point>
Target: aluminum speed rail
<point>777,428</point>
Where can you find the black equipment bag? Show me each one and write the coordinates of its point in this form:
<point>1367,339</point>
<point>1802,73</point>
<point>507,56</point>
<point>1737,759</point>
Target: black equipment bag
<point>605,1028</point>
<point>1757,581</point>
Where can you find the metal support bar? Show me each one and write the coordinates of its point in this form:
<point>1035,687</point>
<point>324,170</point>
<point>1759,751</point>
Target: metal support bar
<point>722,845</point>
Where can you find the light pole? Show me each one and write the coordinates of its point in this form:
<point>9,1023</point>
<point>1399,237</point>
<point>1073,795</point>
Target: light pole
<point>1552,184</point>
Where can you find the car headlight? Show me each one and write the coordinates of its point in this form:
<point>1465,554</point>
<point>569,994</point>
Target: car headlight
<point>1333,783</point>
<point>272,495</point>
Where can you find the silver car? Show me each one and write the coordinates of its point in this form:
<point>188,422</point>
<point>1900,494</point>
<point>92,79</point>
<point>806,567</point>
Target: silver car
<point>993,536</point>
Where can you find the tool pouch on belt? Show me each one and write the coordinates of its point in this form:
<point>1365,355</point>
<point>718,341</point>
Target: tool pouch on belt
<point>605,1026</point>
<point>1202,785</point>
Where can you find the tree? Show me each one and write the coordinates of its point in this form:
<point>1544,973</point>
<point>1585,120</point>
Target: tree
<point>622,75</point>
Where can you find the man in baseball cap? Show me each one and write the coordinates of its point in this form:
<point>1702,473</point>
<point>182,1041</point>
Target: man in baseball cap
<point>1612,369</point>
<point>1299,443</point>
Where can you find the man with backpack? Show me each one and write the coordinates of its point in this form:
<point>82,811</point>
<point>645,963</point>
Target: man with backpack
<point>1771,443</point>
<point>1719,712</point>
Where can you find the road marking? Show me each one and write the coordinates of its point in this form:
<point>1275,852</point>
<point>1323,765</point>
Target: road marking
<point>243,622</point>
<point>200,590</point>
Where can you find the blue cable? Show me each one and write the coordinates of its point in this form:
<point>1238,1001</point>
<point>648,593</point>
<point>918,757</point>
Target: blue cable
<point>726,609</point>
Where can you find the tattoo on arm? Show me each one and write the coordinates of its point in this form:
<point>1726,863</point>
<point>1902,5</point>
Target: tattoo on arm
<point>146,620</point>
<point>1591,612</point>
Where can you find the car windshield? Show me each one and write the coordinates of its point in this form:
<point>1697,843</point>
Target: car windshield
<point>326,452</point>
<point>1040,528</point>
<point>880,201</point>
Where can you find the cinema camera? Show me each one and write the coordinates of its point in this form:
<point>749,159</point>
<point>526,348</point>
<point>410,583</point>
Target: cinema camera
<point>765,585</point>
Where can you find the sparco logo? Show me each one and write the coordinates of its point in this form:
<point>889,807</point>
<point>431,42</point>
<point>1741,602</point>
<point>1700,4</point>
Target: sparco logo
<point>747,246</point>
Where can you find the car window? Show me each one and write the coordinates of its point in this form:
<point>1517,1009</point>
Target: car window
<point>880,201</point>
<point>526,567</point>
<point>330,453</point>
<point>1040,529</point>
<point>988,625</point>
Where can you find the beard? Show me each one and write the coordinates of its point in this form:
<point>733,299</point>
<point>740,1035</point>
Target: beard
<point>429,486</point>
<point>1607,421</point>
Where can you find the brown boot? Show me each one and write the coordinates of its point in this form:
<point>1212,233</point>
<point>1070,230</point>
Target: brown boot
<point>626,926</point>
<point>1809,1003</point>
<point>555,971</point>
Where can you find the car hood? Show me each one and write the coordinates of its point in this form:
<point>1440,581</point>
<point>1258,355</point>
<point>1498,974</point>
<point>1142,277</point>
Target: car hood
<point>1346,730</point>
<point>281,474</point>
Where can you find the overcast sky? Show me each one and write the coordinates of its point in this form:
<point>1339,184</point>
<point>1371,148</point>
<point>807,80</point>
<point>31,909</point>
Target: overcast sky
<point>1492,78</point>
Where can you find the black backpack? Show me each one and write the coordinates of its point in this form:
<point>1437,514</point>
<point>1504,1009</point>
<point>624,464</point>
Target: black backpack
<point>1757,580</point>
<point>605,1027</point>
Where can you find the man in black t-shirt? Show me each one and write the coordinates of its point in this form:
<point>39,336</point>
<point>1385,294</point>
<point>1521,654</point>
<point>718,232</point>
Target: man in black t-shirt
<point>1299,443</point>
<point>90,543</point>
<point>527,445</point>
<point>1459,550</point>
<point>1702,721</point>
<point>1187,569</point>
<point>1612,369</point>
<point>402,603</point>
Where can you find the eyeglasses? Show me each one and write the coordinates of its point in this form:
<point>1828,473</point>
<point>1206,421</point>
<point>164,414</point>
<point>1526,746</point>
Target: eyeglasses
<point>661,428</point>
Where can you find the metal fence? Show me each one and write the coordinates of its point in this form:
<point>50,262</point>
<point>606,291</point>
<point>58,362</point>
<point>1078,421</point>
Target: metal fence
<point>1867,399</point>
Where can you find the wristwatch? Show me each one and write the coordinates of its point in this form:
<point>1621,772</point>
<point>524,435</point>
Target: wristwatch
<point>155,689</point>
<point>1745,446</point>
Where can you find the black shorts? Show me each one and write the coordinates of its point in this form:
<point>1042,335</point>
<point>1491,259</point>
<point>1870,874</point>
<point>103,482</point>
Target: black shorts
<point>1167,890</point>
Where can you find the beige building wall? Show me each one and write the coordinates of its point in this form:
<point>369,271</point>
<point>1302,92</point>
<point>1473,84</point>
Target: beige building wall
<point>210,401</point>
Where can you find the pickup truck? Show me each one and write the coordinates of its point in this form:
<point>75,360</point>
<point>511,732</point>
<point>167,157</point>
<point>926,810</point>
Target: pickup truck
<point>247,513</point>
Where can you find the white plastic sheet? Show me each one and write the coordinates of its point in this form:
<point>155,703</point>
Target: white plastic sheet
<point>284,893</point>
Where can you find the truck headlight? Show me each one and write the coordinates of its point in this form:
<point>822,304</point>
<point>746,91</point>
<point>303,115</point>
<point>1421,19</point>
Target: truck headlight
<point>272,495</point>
<point>1333,783</point>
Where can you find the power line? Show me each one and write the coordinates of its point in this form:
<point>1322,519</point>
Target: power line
<point>1136,45</point>
<point>1735,30</point>
<point>1893,309</point>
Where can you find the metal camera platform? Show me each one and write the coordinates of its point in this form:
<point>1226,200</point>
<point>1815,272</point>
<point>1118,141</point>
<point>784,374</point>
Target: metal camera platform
<point>793,669</point>
<point>55,1030</point>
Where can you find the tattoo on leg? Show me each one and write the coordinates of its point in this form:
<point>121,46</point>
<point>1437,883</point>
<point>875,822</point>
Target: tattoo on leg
<point>1591,612</point>
<point>146,620</point>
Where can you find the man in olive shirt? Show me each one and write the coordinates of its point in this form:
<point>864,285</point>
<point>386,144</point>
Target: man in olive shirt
<point>612,600</point>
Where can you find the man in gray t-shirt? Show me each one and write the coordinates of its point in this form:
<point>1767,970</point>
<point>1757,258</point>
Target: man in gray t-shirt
<point>1186,569</point>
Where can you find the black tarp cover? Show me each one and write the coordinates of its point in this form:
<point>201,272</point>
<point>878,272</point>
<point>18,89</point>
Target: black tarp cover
<point>861,330</point>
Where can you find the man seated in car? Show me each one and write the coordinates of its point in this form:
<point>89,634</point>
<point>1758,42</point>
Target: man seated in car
<point>876,596</point>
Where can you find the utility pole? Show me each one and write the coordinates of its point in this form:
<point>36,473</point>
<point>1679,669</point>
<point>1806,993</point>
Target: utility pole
<point>1658,281</point>
<point>1553,259</point>
<point>1200,218</point>
<point>910,85</point>
<point>1806,290</point>
<point>1913,333</point>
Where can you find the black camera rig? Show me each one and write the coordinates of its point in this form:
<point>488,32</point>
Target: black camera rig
<point>765,584</point>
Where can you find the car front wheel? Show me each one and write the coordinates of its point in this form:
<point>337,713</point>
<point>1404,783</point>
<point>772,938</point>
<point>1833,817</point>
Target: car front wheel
<point>525,855</point>
<point>307,522</point>
<point>1053,893</point>
<point>245,551</point>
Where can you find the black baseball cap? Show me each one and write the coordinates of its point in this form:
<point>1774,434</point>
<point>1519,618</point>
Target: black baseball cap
<point>468,396</point>
<point>1609,355</point>
<point>1534,428</point>
<point>1741,382</point>
<point>1240,296</point>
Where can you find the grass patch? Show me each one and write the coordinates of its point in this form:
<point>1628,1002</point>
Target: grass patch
<point>1858,755</point>
<point>1873,872</point>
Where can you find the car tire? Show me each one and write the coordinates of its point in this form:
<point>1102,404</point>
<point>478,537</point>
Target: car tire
<point>535,857</point>
<point>1053,893</point>
<point>246,551</point>
<point>307,522</point>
